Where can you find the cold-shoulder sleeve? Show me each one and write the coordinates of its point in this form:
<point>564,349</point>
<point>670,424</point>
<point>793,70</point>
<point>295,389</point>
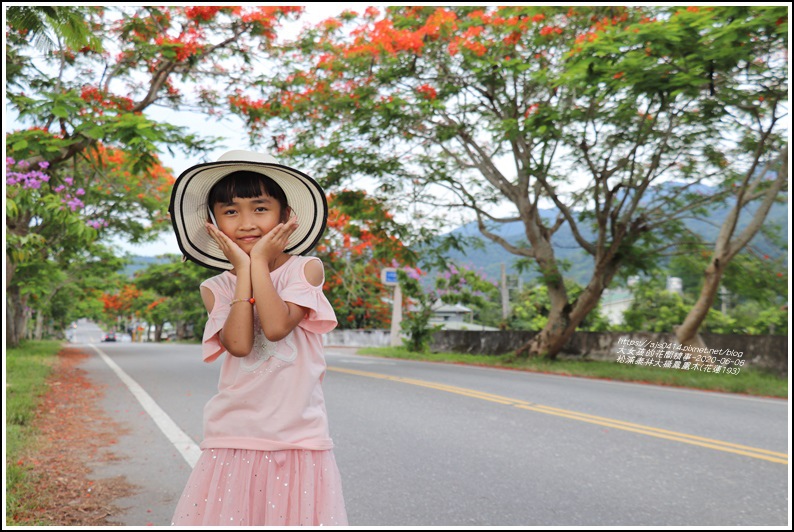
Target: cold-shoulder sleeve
<point>211,345</point>
<point>321,317</point>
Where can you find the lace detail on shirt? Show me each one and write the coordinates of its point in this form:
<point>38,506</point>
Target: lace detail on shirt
<point>264,349</point>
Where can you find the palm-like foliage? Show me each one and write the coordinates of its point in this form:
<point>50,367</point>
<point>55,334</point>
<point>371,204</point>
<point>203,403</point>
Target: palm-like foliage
<point>49,26</point>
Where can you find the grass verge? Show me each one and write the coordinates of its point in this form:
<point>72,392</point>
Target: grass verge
<point>27,369</point>
<point>748,381</point>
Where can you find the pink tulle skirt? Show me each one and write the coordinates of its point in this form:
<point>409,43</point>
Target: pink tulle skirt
<point>237,487</point>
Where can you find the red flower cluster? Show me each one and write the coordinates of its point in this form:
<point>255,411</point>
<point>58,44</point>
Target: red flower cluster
<point>548,30</point>
<point>531,110</point>
<point>101,101</point>
<point>153,304</point>
<point>202,13</point>
<point>427,92</point>
<point>264,18</point>
<point>246,105</point>
<point>187,43</point>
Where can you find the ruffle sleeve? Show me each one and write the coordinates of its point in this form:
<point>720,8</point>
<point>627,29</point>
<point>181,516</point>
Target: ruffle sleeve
<point>211,345</point>
<point>321,317</point>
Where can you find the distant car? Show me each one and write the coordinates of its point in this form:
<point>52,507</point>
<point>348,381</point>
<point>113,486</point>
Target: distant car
<point>109,337</point>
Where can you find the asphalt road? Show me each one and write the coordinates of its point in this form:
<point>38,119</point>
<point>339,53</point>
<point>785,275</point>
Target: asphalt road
<point>424,444</point>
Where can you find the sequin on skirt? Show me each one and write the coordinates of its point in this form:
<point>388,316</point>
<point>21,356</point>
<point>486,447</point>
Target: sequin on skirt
<point>238,487</point>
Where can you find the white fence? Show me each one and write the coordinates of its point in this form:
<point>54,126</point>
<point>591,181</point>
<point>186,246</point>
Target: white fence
<point>358,337</point>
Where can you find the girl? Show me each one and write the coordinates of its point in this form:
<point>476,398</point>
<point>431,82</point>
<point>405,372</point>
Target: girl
<point>266,455</point>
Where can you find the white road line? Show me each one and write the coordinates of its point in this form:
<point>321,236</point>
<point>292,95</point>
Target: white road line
<point>184,444</point>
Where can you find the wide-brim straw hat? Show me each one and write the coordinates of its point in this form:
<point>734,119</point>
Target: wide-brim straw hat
<point>189,210</point>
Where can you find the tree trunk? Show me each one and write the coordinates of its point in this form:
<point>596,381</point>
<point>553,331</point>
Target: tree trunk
<point>12,331</point>
<point>182,330</point>
<point>549,341</point>
<point>16,316</point>
<point>687,332</point>
<point>727,246</point>
<point>10,269</point>
<point>39,328</point>
<point>565,318</point>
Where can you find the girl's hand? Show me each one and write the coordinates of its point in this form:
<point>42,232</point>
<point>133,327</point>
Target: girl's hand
<point>273,244</point>
<point>230,249</point>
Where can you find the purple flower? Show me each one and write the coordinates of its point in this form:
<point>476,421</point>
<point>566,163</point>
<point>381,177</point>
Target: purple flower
<point>98,223</point>
<point>412,273</point>
<point>74,204</point>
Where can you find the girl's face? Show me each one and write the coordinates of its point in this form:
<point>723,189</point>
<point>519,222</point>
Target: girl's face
<point>246,220</point>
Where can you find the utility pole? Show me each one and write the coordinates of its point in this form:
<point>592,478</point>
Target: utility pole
<point>396,317</point>
<point>724,295</point>
<point>389,277</point>
<point>505,294</point>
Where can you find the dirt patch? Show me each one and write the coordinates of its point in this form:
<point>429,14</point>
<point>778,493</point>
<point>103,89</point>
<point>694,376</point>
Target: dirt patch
<point>73,433</point>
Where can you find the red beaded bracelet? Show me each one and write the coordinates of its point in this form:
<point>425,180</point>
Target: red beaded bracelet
<point>250,300</point>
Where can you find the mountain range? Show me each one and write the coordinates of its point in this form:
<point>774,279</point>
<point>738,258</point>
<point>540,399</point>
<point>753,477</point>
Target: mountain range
<point>489,257</point>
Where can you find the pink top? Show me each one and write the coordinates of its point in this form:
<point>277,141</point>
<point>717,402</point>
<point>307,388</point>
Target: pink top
<point>271,399</point>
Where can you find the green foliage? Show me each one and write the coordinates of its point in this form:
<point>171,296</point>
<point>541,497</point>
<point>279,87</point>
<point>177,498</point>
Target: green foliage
<point>750,276</point>
<point>417,311</point>
<point>530,312</point>
<point>773,320</point>
<point>753,289</point>
<point>27,366</point>
<point>40,215</point>
<point>66,291</point>
<point>48,243</point>
<point>459,284</point>
<point>754,305</point>
<point>654,309</point>
<point>44,25</point>
<point>171,294</point>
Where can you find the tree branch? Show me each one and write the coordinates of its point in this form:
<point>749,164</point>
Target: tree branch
<point>733,247</point>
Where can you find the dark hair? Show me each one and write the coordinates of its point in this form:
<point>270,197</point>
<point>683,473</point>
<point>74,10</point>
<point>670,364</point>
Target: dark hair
<point>246,184</point>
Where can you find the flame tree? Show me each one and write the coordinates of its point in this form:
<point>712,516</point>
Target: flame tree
<point>362,239</point>
<point>608,114</point>
<point>88,82</point>
<point>730,65</point>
